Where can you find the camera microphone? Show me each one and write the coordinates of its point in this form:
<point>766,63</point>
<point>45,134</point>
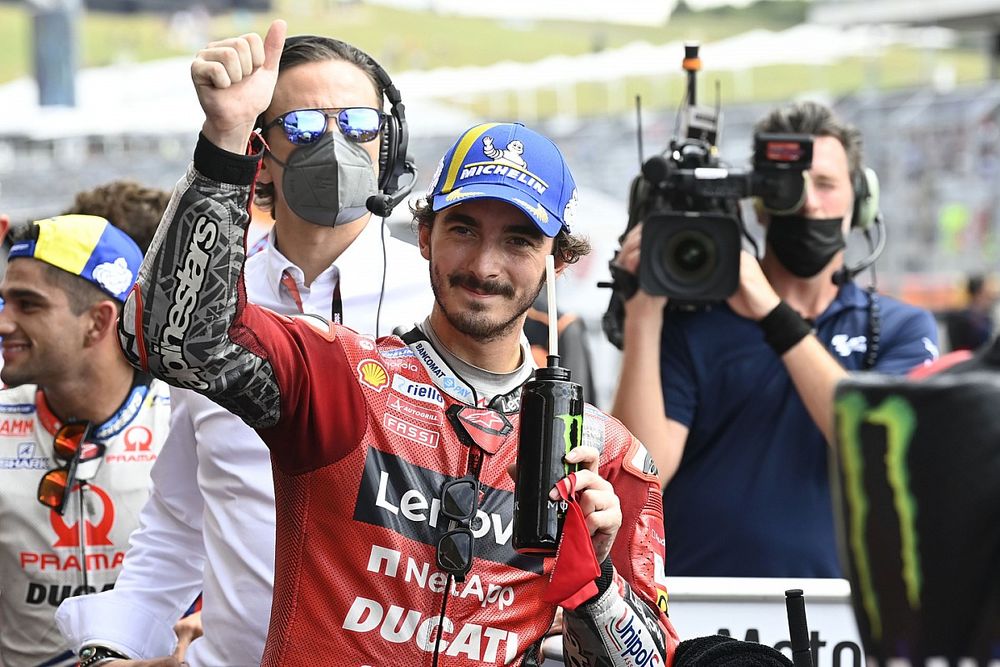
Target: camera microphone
<point>656,170</point>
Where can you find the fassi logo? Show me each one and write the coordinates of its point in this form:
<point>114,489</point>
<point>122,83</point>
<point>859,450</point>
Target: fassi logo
<point>410,431</point>
<point>68,535</point>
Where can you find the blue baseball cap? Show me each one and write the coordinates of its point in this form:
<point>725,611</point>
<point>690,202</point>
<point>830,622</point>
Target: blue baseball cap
<point>87,246</point>
<point>507,161</point>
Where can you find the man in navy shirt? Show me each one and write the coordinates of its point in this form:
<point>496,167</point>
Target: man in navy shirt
<point>740,428</point>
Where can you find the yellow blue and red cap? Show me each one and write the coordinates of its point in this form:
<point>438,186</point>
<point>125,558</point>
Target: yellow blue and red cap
<point>509,162</point>
<point>87,246</point>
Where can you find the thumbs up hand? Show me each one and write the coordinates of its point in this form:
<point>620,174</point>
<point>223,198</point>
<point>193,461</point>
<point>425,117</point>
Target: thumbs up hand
<point>234,79</point>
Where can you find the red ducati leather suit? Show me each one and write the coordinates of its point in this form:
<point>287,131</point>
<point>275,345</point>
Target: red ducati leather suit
<point>361,449</point>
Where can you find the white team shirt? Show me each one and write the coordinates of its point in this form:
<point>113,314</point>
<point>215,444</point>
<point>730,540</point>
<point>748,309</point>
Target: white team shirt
<point>209,525</point>
<point>42,556</point>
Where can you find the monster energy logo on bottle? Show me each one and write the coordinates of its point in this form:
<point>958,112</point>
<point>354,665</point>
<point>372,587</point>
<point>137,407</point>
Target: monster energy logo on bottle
<point>572,432</point>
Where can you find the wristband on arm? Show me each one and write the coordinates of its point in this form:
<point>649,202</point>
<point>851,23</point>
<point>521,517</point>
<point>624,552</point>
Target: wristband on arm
<point>783,328</point>
<point>92,656</point>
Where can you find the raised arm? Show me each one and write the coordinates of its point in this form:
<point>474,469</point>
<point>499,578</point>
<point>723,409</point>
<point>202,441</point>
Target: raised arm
<point>184,320</point>
<point>638,401</point>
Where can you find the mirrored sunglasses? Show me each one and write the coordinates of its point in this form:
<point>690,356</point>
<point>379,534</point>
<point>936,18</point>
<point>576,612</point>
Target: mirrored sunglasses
<point>304,126</point>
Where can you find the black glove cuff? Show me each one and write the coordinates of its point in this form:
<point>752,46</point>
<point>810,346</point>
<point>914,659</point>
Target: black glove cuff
<point>220,165</point>
<point>784,328</point>
<point>603,581</point>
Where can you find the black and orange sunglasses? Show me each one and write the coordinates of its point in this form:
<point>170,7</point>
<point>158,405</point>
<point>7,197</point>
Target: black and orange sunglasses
<point>69,447</point>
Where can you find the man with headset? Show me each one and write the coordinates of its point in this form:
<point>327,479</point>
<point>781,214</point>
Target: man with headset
<point>209,526</point>
<point>740,428</point>
<point>392,458</point>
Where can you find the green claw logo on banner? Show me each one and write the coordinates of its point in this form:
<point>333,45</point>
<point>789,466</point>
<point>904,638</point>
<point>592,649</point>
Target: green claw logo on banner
<point>898,418</point>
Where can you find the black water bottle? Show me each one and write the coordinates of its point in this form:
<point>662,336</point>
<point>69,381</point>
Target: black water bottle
<point>551,424</point>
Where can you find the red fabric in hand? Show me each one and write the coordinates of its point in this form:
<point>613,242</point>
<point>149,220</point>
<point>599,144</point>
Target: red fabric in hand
<point>572,581</point>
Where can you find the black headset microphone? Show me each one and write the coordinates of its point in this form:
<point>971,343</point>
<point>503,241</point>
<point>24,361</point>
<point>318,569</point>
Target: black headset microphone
<point>865,215</point>
<point>394,162</point>
<point>382,204</point>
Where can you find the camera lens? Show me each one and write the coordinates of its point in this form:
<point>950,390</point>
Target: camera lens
<point>690,256</point>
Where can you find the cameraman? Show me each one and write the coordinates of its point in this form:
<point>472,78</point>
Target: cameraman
<point>738,430</point>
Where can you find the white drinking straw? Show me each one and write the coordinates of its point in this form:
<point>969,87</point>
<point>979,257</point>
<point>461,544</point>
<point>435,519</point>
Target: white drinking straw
<point>550,287</point>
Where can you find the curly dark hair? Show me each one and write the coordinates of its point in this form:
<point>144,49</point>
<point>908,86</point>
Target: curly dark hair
<point>133,208</point>
<point>568,248</point>
<point>302,49</point>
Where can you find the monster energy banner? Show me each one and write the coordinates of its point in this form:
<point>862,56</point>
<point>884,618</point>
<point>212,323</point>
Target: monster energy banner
<point>917,492</point>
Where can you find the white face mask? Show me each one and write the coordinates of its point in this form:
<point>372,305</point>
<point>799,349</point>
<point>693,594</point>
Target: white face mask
<point>328,182</point>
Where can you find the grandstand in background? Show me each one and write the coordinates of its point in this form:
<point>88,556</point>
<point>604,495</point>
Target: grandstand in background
<point>970,16</point>
<point>937,154</point>
<point>956,14</point>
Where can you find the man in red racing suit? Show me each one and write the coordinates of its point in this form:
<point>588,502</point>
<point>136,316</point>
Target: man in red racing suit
<point>360,438</point>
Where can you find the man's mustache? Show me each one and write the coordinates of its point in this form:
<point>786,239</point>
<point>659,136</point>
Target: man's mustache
<point>486,286</point>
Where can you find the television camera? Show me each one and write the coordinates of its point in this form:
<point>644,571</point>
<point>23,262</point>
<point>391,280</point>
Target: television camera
<point>688,202</point>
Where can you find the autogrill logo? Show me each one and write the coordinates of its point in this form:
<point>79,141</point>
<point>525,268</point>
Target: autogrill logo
<point>414,411</point>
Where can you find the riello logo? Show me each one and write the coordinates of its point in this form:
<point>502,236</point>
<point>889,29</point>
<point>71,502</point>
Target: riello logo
<point>97,535</point>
